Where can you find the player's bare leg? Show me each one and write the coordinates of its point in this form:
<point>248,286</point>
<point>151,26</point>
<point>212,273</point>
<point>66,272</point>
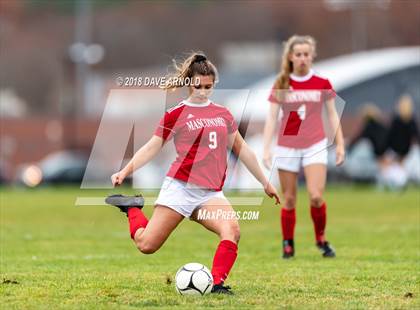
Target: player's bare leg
<point>226,229</point>
<point>288,182</point>
<point>316,175</point>
<point>229,233</point>
<point>163,221</point>
<point>147,235</point>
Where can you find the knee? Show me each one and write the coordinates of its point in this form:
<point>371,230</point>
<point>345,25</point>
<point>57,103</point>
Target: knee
<point>146,247</point>
<point>289,201</point>
<point>236,232</point>
<point>316,200</point>
<point>231,232</point>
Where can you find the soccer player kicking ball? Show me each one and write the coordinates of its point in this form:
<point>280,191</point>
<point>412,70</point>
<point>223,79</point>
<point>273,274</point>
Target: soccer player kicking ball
<point>202,131</point>
<point>301,95</point>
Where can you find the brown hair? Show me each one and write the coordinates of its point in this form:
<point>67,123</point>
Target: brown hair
<point>195,64</point>
<point>370,111</point>
<point>286,66</point>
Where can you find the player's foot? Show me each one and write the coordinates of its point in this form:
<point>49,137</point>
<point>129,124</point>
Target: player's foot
<point>326,249</point>
<point>221,289</point>
<point>288,248</point>
<point>124,202</point>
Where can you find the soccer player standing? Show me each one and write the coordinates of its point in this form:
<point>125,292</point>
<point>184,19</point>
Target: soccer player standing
<point>202,131</point>
<point>301,94</point>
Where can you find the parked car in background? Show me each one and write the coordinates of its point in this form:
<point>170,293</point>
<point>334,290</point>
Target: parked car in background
<point>62,167</point>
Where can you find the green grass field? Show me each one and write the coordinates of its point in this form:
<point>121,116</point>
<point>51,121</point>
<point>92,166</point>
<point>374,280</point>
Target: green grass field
<point>56,255</point>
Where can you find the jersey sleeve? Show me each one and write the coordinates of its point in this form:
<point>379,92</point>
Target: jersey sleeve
<point>273,97</point>
<point>230,123</point>
<point>329,92</point>
<point>166,127</point>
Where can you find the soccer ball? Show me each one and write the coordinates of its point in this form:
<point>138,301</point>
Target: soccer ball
<point>193,279</point>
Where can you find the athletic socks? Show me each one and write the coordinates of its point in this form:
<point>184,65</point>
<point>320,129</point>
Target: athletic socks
<point>136,220</point>
<point>288,222</point>
<point>319,217</point>
<point>224,258</point>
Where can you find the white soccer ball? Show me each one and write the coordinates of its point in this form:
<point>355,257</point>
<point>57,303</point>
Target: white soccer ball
<point>193,279</point>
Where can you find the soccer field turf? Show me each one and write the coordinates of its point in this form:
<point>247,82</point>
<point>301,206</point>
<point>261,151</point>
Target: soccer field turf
<point>57,255</point>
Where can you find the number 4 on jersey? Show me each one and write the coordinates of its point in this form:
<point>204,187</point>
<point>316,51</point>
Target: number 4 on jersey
<point>294,121</point>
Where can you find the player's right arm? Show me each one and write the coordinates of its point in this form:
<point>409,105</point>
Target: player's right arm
<point>140,158</point>
<point>269,129</point>
<point>163,132</point>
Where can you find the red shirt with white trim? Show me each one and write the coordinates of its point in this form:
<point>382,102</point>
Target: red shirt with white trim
<point>302,107</point>
<point>200,133</point>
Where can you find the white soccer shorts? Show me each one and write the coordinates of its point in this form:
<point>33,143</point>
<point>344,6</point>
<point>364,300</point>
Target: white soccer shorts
<point>184,198</point>
<point>290,159</point>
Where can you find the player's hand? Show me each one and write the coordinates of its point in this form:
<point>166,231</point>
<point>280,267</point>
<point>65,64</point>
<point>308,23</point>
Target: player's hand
<point>271,192</point>
<point>117,178</point>
<point>340,155</point>
<point>267,159</point>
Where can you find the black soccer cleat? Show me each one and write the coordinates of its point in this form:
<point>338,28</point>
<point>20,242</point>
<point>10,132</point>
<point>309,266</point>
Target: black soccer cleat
<point>124,202</point>
<point>326,249</point>
<point>221,289</point>
<point>288,248</point>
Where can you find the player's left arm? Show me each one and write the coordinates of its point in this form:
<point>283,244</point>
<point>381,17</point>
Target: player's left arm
<point>340,150</point>
<point>241,149</point>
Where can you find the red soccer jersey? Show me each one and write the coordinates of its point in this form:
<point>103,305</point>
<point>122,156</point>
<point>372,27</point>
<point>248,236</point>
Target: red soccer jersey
<point>200,133</point>
<point>302,107</point>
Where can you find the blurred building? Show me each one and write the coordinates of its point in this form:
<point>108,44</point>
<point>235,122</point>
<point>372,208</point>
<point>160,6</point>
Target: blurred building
<point>59,59</point>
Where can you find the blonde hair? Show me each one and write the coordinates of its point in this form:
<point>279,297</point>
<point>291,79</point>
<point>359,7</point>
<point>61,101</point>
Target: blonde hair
<point>195,64</point>
<point>286,66</point>
<point>405,107</point>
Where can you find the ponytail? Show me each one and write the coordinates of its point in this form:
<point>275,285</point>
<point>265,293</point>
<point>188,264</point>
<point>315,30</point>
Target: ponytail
<point>194,64</point>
